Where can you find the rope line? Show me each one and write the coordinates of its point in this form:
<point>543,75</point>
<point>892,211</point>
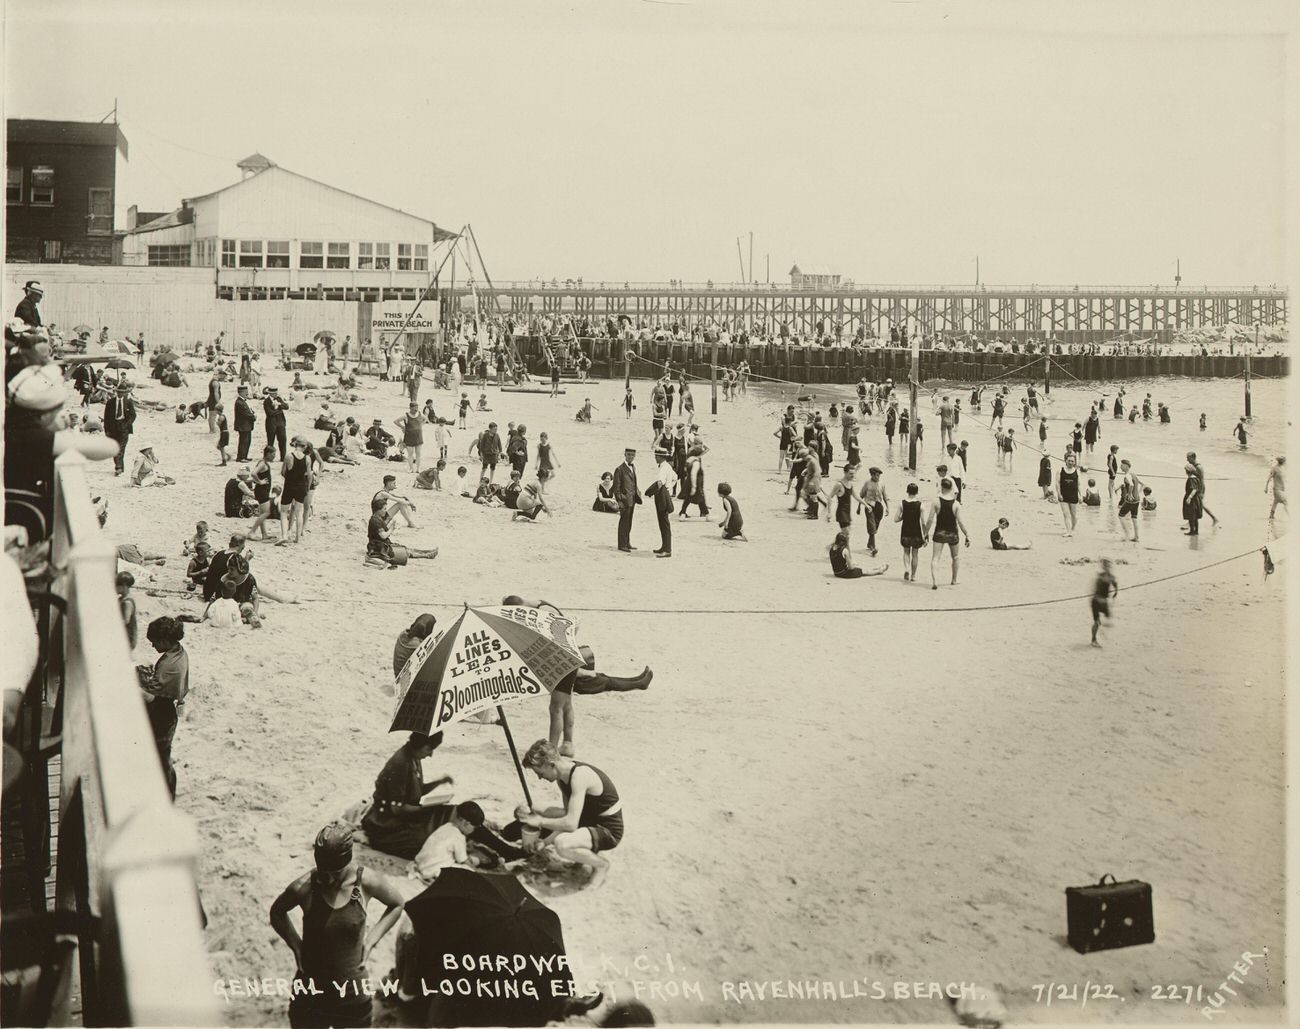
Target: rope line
<point>153,591</point>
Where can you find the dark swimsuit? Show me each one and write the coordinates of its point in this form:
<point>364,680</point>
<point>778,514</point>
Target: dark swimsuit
<point>333,961</point>
<point>262,484</point>
<point>606,830</point>
<point>844,509</point>
<point>295,481</point>
<point>1067,486</point>
<point>912,535</point>
<point>945,525</point>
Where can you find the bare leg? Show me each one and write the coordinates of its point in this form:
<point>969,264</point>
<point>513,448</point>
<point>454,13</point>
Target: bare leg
<point>956,555</point>
<point>934,560</point>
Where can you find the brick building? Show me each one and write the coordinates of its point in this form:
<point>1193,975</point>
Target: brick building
<point>60,190</point>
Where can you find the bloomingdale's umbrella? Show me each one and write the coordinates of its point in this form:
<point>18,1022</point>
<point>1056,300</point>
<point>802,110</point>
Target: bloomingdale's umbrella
<point>325,334</point>
<point>488,657</point>
<point>468,913</point>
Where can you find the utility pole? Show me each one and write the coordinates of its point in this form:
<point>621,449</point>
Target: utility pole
<point>977,269</point>
<point>913,381</point>
<point>1248,370</point>
<point>1047,368</point>
<point>740,256</point>
<point>1178,273</point>
<point>627,366</point>
<point>769,268</point>
<point>715,376</point>
<point>751,258</point>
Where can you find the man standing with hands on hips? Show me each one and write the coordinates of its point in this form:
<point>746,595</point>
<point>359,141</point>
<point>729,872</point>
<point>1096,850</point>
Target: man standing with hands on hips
<point>627,495</point>
<point>245,419</point>
<point>662,490</point>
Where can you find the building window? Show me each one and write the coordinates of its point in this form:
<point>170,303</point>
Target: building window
<point>277,253</point>
<point>175,255</point>
<point>13,185</point>
<point>43,185</point>
<point>383,259</point>
<point>339,256</point>
<point>250,253</point>
<point>403,257</point>
<point>311,255</point>
<point>365,255</point>
<point>227,253</point>
<point>52,250</point>
<point>421,257</point>
<point>99,222</point>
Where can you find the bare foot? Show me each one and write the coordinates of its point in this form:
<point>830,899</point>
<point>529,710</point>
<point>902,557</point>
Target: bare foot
<point>598,876</point>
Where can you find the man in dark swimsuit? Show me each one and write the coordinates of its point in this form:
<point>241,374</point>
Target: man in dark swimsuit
<point>591,819</point>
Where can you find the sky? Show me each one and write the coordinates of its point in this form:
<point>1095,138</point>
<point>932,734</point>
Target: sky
<point>892,141</point>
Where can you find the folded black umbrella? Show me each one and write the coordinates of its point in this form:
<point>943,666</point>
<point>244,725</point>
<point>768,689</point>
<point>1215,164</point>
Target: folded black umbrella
<point>469,914</point>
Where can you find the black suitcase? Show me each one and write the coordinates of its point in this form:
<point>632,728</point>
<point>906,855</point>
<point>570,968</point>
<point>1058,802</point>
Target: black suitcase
<point>1109,915</point>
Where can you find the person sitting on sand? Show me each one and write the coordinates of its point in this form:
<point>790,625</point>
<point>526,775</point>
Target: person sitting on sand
<point>1091,498</point>
<point>146,470</point>
<point>842,560</point>
<point>486,493</point>
<point>225,612</point>
<point>732,524</point>
<point>378,439</point>
<point>530,503</point>
<point>464,841</point>
<point>590,821</point>
<point>999,540</point>
<point>239,501</point>
<point>482,403</point>
<point>1148,499</point>
<point>200,536</point>
<point>511,490</point>
<point>399,820</point>
<point>197,571</point>
<point>584,412</point>
<point>380,547</point>
<point>605,495</point>
<point>297,385</point>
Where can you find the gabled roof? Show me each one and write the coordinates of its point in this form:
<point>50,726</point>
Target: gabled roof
<point>795,270</point>
<point>256,162</point>
<point>438,234</point>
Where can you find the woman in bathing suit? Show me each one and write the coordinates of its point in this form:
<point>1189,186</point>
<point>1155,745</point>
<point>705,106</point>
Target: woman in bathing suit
<point>1067,491</point>
<point>297,477</point>
<point>911,535</point>
<point>945,519</point>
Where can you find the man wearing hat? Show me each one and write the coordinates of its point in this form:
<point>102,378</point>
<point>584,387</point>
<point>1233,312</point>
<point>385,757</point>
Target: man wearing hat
<point>276,435</point>
<point>27,309</point>
<point>245,419</point>
<point>662,490</point>
<point>627,495</point>
<point>119,422</point>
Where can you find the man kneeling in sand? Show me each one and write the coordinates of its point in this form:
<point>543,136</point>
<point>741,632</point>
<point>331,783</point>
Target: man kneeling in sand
<point>591,819</point>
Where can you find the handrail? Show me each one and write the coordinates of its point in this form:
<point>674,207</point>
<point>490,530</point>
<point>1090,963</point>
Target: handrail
<point>919,289</point>
<point>140,852</point>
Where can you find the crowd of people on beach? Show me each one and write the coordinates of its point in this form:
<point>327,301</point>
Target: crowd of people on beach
<point>830,470</point>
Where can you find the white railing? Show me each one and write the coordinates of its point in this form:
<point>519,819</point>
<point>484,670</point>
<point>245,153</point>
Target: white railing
<point>135,854</point>
<point>910,289</point>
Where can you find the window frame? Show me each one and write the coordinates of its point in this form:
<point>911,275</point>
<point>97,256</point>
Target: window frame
<point>284,255</point>
<point>383,257</point>
<point>229,253</point>
<point>335,252</point>
<point>248,255</point>
<point>33,189</point>
<point>175,250</point>
<point>315,255</point>
<point>420,263</point>
<point>365,256</point>
<point>46,244</point>
<point>404,257</point>
<point>14,200</point>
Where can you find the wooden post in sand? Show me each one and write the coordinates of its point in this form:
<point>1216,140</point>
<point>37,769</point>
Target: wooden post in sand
<point>627,367</point>
<point>514,754</point>
<point>1248,370</point>
<point>714,375</point>
<point>912,387</point>
<point>1047,370</point>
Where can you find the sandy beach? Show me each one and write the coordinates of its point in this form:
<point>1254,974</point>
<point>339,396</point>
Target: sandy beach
<point>860,782</point>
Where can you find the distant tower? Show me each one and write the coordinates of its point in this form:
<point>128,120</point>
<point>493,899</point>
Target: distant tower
<point>253,164</point>
<point>1178,273</point>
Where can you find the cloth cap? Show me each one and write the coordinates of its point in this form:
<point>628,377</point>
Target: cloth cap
<point>38,387</point>
<point>333,847</point>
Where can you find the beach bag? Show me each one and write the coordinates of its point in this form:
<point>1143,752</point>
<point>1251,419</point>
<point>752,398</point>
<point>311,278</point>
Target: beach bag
<point>1109,915</point>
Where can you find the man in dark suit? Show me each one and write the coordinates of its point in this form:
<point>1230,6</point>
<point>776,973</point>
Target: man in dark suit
<point>627,495</point>
<point>245,419</point>
<point>119,421</point>
<point>27,309</point>
<point>275,406</point>
<point>662,490</point>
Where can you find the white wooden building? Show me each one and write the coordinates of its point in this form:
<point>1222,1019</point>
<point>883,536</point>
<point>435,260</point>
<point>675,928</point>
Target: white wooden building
<point>277,234</point>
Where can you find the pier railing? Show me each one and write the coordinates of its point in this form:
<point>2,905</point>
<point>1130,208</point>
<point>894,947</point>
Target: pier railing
<point>126,856</point>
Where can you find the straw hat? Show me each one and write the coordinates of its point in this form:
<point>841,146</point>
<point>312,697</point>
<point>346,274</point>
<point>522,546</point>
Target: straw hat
<point>38,387</point>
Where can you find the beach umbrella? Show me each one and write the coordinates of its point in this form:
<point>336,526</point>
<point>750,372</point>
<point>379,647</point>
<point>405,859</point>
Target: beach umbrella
<point>488,657</point>
<point>466,912</point>
<point>82,328</point>
<point>120,362</point>
<point>305,349</point>
<point>325,334</point>
<point>122,346</point>
<point>93,354</point>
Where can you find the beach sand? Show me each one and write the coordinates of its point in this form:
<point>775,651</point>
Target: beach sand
<point>847,781</point>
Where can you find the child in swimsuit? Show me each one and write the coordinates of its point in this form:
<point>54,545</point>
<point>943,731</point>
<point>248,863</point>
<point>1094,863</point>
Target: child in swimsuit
<point>732,523</point>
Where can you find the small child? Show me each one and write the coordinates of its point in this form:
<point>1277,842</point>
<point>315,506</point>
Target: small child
<point>224,612</point>
<point>1148,501</point>
<point>126,605</point>
<point>999,438</point>
<point>464,410</point>
<point>1240,432</point>
<point>197,571</point>
<point>460,481</point>
<point>182,416</point>
<point>486,493</point>
<point>1000,542</point>
<point>584,412</point>
<point>732,524</point>
<point>1042,430</point>
<point>191,545</point>
<point>431,478</point>
<point>442,437</point>
<point>482,402</point>
<point>629,405</point>
<point>1091,498</point>
<point>1009,445</point>
<point>223,436</point>
<point>510,492</point>
<point>1202,421</point>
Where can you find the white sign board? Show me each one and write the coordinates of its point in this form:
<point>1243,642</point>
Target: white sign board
<point>395,318</point>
